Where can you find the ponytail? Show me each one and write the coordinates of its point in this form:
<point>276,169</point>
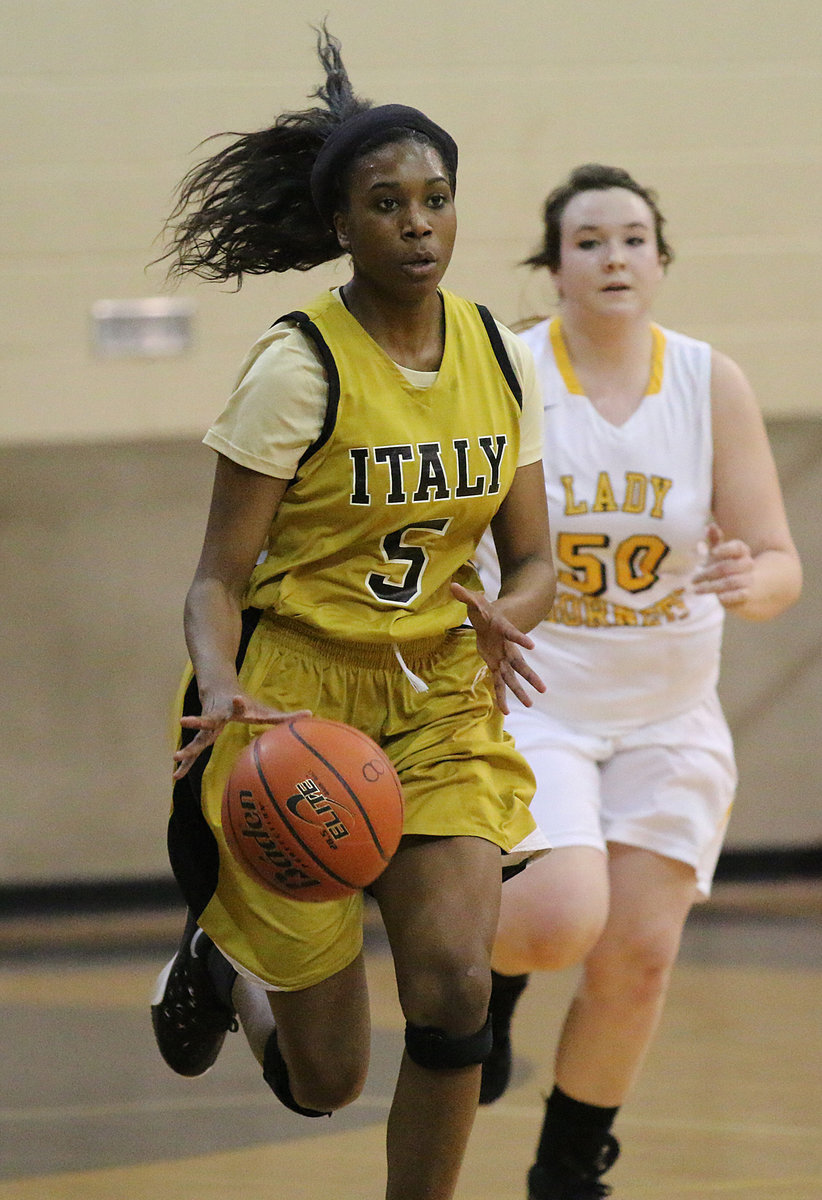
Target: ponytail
<point>248,209</point>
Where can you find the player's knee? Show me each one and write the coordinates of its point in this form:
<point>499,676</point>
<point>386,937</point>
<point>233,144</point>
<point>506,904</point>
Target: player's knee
<point>330,1091</point>
<point>445,987</point>
<point>555,946</point>
<point>437,1050</point>
<point>316,1086</point>
<point>439,1008</point>
<point>553,915</point>
<point>637,968</point>
<point>331,1078</point>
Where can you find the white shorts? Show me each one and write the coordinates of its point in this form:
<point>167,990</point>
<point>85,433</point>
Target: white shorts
<point>667,787</point>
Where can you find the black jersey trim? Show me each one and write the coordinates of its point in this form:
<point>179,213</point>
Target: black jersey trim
<point>311,331</point>
<point>500,353</point>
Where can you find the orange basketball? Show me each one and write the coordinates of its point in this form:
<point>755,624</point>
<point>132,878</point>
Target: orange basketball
<point>313,809</point>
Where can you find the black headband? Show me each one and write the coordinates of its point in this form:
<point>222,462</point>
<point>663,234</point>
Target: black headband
<point>341,146</point>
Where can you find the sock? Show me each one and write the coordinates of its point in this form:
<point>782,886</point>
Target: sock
<point>505,991</point>
<point>251,1002</point>
<point>573,1130</point>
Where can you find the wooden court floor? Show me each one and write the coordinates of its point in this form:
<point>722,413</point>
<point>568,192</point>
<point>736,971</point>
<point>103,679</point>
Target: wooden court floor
<point>729,1106</point>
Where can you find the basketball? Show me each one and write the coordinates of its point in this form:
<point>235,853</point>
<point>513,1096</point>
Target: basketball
<point>313,809</point>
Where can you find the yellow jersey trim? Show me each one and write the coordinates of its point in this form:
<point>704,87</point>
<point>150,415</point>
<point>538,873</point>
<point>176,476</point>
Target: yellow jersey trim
<point>569,375</point>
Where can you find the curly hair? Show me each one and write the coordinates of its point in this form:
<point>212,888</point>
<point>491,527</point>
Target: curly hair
<point>247,210</point>
<point>588,178</point>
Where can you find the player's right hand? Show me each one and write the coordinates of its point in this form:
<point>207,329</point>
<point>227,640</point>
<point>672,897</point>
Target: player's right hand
<point>214,718</point>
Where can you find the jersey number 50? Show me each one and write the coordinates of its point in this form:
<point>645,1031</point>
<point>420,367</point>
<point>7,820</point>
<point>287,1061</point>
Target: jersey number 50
<point>635,562</point>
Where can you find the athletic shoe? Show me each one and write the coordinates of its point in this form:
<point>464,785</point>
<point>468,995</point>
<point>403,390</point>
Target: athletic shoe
<point>189,1017</point>
<point>568,1181</point>
<point>496,1070</point>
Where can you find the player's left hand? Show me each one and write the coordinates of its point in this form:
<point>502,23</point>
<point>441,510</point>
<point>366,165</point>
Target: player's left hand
<point>728,570</point>
<point>497,642</point>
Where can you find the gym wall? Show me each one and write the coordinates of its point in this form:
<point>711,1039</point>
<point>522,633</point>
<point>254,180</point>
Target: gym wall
<point>103,482</point>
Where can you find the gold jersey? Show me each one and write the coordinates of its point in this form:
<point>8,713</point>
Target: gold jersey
<point>388,503</point>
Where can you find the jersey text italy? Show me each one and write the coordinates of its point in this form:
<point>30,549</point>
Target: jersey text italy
<point>381,515</point>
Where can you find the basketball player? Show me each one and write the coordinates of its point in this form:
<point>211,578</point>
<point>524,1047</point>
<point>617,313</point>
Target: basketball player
<point>369,442</point>
<point>666,512</point>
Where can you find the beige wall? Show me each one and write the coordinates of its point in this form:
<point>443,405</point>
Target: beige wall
<point>717,103</point>
<point>98,546</point>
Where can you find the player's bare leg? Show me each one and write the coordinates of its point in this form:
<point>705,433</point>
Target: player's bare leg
<point>551,916</point>
<point>428,1129</point>
<point>618,1004</point>
<point>553,913</point>
<point>441,939</point>
<point>611,1021</point>
<point>323,1035</point>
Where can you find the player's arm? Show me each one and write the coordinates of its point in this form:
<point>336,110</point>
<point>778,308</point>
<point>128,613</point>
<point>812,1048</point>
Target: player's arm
<point>752,565</point>
<point>520,529</point>
<point>522,541</point>
<point>527,582</point>
<point>243,505</point>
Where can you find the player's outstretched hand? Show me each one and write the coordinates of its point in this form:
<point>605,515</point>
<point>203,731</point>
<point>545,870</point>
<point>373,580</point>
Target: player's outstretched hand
<point>728,569</point>
<point>214,718</point>
<point>498,641</point>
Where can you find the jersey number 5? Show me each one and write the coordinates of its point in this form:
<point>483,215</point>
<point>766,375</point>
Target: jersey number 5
<point>395,548</point>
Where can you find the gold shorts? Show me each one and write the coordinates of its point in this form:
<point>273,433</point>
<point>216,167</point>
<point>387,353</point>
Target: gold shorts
<point>460,772</point>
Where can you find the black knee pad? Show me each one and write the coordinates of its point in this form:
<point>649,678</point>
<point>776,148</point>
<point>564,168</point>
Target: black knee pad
<point>275,1073</point>
<point>438,1051</point>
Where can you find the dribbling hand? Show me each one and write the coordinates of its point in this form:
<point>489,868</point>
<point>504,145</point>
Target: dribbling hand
<point>214,718</point>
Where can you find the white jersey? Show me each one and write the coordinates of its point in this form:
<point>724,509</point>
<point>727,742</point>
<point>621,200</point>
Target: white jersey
<point>628,641</point>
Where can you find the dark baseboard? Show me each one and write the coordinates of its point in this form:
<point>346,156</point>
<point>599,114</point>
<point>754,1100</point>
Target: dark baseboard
<point>87,896</point>
<point>770,864</point>
<point>773,864</point>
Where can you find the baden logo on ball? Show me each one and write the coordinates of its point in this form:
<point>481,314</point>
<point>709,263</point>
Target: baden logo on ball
<point>313,809</point>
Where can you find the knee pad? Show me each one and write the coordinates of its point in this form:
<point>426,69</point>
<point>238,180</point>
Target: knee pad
<point>439,1051</point>
<point>275,1073</point>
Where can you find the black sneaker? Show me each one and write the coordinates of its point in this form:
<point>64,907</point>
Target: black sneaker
<point>569,1181</point>
<point>496,1070</point>
<point>190,1019</point>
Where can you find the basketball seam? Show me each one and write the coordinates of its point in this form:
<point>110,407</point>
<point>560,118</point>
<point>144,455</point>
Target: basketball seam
<point>291,828</point>
<point>352,794</point>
